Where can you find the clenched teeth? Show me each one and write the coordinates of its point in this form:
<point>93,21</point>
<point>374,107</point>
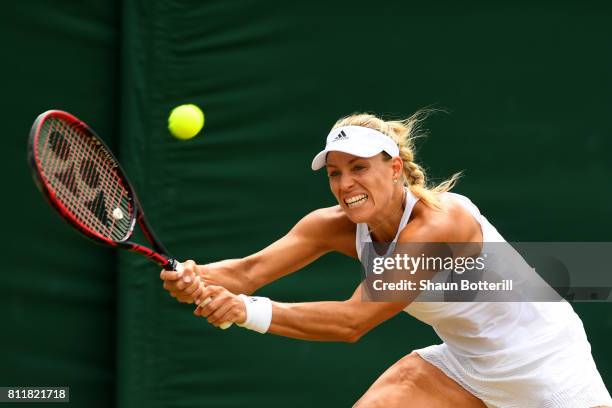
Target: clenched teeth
<point>356,200</point>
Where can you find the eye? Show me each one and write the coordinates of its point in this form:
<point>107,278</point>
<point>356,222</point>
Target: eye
<point>333,174</point>
<point>359,167</point>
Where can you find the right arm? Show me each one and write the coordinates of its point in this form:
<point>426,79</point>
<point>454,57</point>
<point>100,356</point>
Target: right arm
<point>319,232</point>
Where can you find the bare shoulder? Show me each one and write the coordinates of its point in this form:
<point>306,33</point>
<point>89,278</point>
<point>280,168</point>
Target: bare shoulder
<point>330,228</point>
<point>452,224</point>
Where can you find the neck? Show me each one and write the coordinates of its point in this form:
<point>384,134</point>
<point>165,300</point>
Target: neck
<point>384,227</point>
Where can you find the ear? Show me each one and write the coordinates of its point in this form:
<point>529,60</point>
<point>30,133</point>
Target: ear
<point>397,165</point>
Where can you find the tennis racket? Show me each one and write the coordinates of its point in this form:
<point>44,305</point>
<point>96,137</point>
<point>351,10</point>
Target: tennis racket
<point>81,178</point>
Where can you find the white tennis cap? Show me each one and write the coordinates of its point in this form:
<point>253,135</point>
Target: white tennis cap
<point>356,140</point>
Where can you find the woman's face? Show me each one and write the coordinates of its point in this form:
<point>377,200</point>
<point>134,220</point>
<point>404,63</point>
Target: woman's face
<point>363,186</point>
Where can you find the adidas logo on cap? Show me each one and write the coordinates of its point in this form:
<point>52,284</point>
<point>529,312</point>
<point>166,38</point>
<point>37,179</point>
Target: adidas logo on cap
<point>340,136</point>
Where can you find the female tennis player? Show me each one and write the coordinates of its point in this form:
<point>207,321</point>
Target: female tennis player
<point>499,354</point>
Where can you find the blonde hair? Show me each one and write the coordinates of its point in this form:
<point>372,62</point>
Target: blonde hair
<point>404,132</point>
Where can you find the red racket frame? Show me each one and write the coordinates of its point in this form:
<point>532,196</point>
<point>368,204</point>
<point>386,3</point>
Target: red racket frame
<point>158,254</point>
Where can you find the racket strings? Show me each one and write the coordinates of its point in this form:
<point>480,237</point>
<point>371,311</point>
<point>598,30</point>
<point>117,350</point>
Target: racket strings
<point>108,194</point>
<point>83,177</point>
<point>88,169</point>
<point>63,171</point>
<point>90,176</point>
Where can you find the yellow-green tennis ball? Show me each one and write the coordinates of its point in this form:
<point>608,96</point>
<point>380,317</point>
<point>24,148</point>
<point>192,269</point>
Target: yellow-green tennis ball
<point>185,121</point>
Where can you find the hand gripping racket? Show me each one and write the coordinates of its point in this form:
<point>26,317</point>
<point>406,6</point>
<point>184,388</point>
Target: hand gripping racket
<point>81,178</point>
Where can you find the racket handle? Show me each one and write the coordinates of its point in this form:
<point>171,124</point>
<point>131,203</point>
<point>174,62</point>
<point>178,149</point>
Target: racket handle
<point>174,265</point>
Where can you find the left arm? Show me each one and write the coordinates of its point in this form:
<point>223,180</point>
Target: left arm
<point>344,321</point>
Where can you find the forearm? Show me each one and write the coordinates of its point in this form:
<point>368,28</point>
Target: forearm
<point>318,321</point>
<point>301,246</point>
<point>232,274</point>
<point>246,275</point>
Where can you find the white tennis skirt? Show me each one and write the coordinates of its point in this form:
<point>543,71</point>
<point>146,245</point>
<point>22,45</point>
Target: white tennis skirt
<point>560,374</point>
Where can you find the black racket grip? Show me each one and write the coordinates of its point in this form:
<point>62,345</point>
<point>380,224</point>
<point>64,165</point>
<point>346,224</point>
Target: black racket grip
<point>173,265</point>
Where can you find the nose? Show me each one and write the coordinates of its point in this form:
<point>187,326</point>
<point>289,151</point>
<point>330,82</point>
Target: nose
<point>346,181</point>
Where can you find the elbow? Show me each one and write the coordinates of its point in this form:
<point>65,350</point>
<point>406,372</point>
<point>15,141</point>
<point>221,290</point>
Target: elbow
<point>352,337</point>
<point>352,333</point>
<point>355,323</point>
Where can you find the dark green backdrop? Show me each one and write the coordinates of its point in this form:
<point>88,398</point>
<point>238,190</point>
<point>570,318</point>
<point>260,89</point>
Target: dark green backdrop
<point>528,93</point>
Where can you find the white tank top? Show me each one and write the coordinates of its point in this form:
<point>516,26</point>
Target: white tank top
<point>476,329</point>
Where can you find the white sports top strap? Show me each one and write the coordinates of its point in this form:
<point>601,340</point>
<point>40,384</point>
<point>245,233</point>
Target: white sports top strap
<point>363,236</point>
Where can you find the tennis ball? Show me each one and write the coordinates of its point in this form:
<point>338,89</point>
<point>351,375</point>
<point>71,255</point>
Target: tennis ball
<point>117,214</point>
<point>185,121</point>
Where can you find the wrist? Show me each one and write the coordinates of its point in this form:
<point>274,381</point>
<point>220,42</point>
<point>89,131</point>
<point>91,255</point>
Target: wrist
<point>258,313</point>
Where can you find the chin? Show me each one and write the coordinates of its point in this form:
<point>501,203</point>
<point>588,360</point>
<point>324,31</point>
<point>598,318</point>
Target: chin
<point>357,215</point>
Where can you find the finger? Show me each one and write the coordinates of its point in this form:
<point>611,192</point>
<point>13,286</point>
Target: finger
<point>236,314</point>
<point>225,325</point>
<point>200,309</point>
<point>217,315</point>
<point>196,295</point>
<point>189,264</point>
<point>209,292</point>
<point>206,310</point>
<point>189,268</point>
<point>187,281</point>
<point>169,275</point>
<point>169,285</point>
<point>229,318</point>
<point>209,307</point>
<point>205,302</point>
<point>192,288</point>
<point>199,290</point>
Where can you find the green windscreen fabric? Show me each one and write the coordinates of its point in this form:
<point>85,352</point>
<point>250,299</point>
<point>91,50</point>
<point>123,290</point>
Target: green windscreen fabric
<point>526,90</point>
<point>57,295</point>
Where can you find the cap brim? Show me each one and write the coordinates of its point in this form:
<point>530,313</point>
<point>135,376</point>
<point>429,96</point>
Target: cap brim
<point>320,160</point>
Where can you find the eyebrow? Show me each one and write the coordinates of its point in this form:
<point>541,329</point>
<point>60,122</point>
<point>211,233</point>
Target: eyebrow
<point>349,162</point>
